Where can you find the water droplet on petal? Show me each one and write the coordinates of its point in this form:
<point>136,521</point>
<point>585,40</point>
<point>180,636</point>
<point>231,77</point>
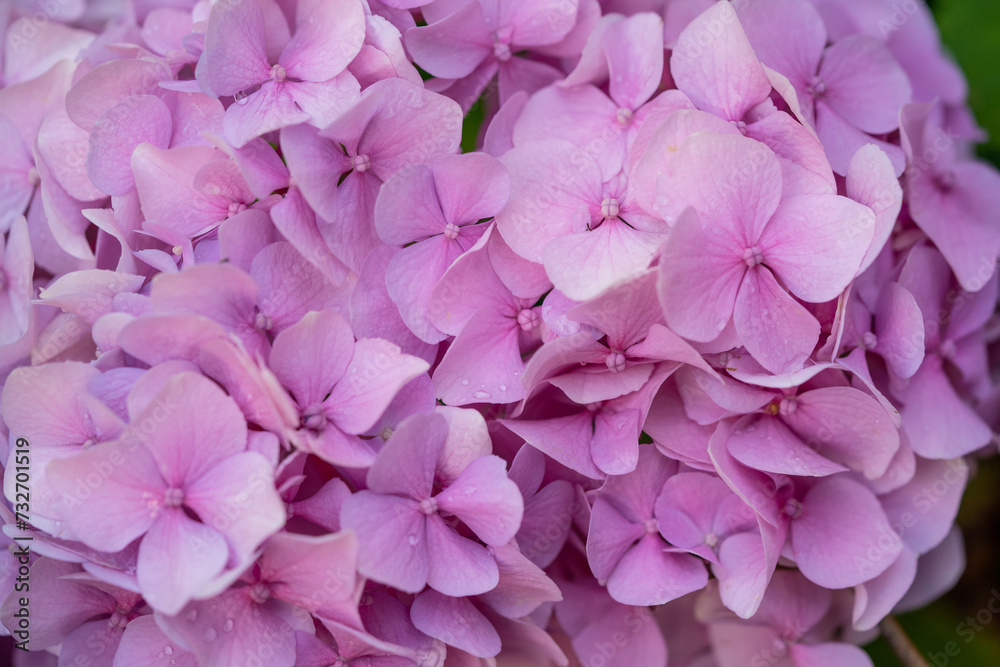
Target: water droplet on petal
<point>481,395</point>
<point>228,625</point>
<point>503,387</point>
<point>169,650</point>
<point>210,635</point>
<point>465,383</point>
<point>412,539</point>
<point>192,615</point>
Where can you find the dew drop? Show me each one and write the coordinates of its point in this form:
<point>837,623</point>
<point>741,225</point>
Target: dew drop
<point>412,539</point>
<point>228,625</point>
<point>192,615</point>
<point>481,395</point>
<point>503,387</point>
<point>210,635</point>
<point>465,383</point>
<point>169,650</point>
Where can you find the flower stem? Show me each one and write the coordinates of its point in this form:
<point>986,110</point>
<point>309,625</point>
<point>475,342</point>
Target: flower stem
<point>901,643</point>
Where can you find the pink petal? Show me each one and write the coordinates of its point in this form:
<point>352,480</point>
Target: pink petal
<point>486,352</point>
<point>143,643</point>
<point>714,64</point>
<point>831,546</point>
<point>649,575</point>
<point>237,498</point>
<point>375,373</point>
<point>815,244</point>
<point>139,119</point>
<point>565,439</point>
<point>848,426</point>
<point>391,539</point>
<point>586,264</point>
<point>311,55</point>
<point>178,558</point>
<point>767,445</point>
<point>235,55</point>
<point>271,107</point>
<point>441,616</point>
<point>407,461</point>
<point>110,510</point>
<point>779,332</point>
<point>865,84</point>
<point>310,357</point>
<point>939,423</point>
<point>458,565</point>
<point>316,573</point>
<point>485,500</point>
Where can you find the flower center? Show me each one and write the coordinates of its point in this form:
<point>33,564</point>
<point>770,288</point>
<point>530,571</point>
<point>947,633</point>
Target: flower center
<point>945,181</point>
<point>527,319</point>
<point>278,73</point>
<point>236,207</point>
<point>869,340</point>
<point>263,322</point>
<point>362,163</point>
<point>173,497</point>
<point>33,176</point>
<point>787,406</point>
<point>651,526</point>
<point>260,593</point>
<point>610,208</point>
<point>792,508</point>
<point>741,126</point>
<point>623,116</point>
<point>118,621</point>
<point>314,418</point>
<point>712,540</point>
<point>753,256</point>
<point>451,231</point>
<point>501,50</point>
<point>428,506</point>
<point>615,362</point>
<point>817,87</point>
<point>947,349</point>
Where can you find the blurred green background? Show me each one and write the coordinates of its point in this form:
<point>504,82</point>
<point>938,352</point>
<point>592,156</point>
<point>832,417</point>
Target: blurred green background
<point>970,30</point>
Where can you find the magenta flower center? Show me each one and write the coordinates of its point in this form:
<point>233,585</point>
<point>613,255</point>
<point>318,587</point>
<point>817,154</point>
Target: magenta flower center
<point>817,87</point>
<point>787,406</point>
<point>362,163</point>
<point>609,208</point>
<point>278,73</point>
<point>260,593</point>
<point>451,231</point>
<point>263,322</point>
<point>527,319</point>
<point>501,51</point>
<point>173,497</point>
<point>945,181</point>
<point>118,621</point>
<point>753,256</point>
<point>615,362</point>
<point>428,506</point>
<point>947,349</point>
<point>711,540</point>
<point>623,116</point>
<point>314,418</point>
<point>651,526</point>
<point>792,508</point>
<point>33,176</point>
<point>869,340</point>
<point>236,207</point>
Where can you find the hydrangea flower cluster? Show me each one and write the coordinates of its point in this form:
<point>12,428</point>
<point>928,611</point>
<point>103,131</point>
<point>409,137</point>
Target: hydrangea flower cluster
<point>689,355</point>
